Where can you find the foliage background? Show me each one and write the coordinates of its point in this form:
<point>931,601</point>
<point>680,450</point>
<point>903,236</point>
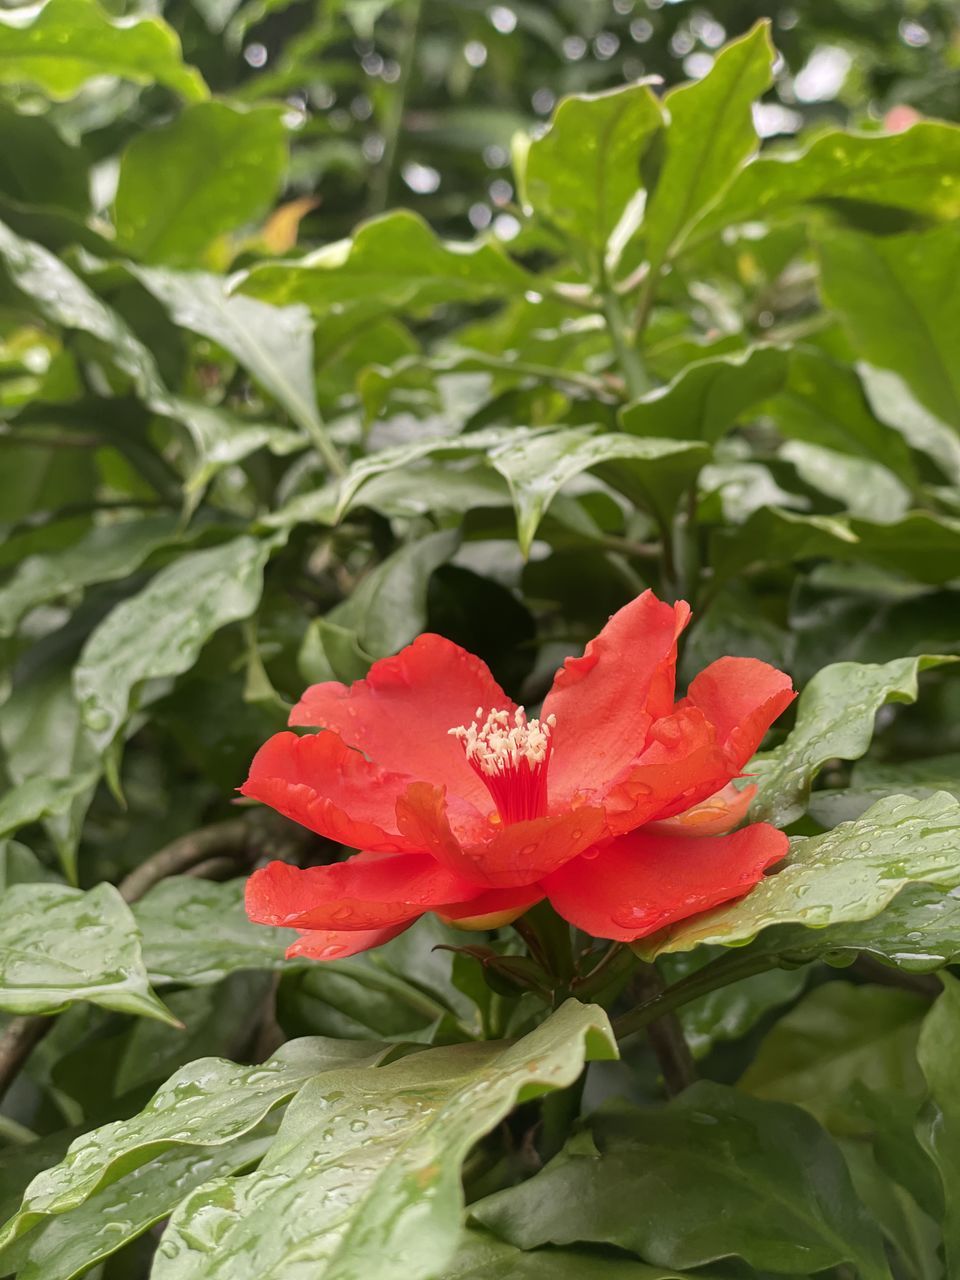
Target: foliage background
<point>180,558</point>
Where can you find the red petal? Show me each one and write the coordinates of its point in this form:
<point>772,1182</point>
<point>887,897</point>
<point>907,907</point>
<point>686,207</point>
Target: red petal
<point>681,765</point>
<point>400,716</point>
<point>361,893</point>
<point>641,883</point>
<point>520,853</point>
<point>491,902</point>
<point>335,944</point>
<point>321,783</point>
<point>715,816</point>
<point>606,701</point>
<point>742,697</point>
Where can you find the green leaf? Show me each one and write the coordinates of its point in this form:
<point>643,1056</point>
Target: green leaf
<point>705,400</point>
<point>537,467</point>
<point>196,932</point>
<point>710,136</point>
<point>903,170</point>
<point>893,403</point>
<point>850,873</point>
<point>386,610</point>
<point>59,945</point>
<point>207,1103</point>
<point>939,1127</point>
<point>61,1248</point>
<point>774,536</point>
<point>401,1132</point>
<point>835,718</point>
<point>733,1010</point>
<point>839,1035</point>
<point>41,797</point>
<point>161,630</point>
<point>274,344</point>
<point>396,261</point>
<point>582,173</point>
<point>891,296</point>
<point>482,1256</point>
<point>221,166</point>
<point>713,1174</point>
<point>107,552</point>
<point>39,166</point>
<point>62,44</point>
<point>866,489</point>
<point>921,545</point>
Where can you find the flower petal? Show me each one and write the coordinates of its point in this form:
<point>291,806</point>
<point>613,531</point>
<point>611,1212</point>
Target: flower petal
<point>606,700</point>
<point>715,816</point>
<point>337,944</point>
<point>643,882</point>
<point>362,893</point>
<point>401,714</point>
<point>518,853</point>
<point>491,908</point>
<point>742,697</point>
<point>681,765</point>
<point>321,783</point>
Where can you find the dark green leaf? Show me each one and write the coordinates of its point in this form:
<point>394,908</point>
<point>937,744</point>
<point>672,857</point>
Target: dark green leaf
<point>483,1257</point>
<point>939,1127</point>
<point>711,1175</point>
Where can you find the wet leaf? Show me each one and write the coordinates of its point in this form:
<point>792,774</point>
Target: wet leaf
<point>364,1157</point>
<point>107,552</point>
<point>835,718</point>
<point>59,945</point>
<point>713,1174</point>
<point>161,630</point>
<point>209,1103</point>
<point>396,260</point>
<point>848,874</point>
<point>196,932</point>
<point>709,137</point>
<point>221,167</point>
<point>62,44</point>
<point>482,1256</point>
<point>582,173</point>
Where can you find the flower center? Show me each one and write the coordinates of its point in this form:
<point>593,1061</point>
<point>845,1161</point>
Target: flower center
<point>510,754</point>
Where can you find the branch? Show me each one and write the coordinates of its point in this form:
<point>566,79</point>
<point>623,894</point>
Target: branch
<point>666,1036</point>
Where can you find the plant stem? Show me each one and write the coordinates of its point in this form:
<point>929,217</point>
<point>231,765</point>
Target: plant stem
<point>631,364</point>
<point>382,179</point>
<point>666,1036</point>
<point>20,1038</point>
<point>719,974</point>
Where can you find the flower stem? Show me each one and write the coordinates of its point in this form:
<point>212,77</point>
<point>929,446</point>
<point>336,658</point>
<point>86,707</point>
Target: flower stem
<point>628,357</point>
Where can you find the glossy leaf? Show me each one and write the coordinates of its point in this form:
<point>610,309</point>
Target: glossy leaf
<point>848,874</point>
<point>730,1012</point>
<point>63,1247</point>
<point>274,344</point>
<point>904,170</point>
<point>655,471</point>
<point>196,932</point>
<point>866,489</point>
<point>584,171</point>
<point>713,1174</point>
<point>890,295</point>
<point>939,1127</point>
<point>59,945</point>
<point>402,1132</point>
<point>209,1103</point>
<point>835,718</point>
<point>107,552</point>
<point>396,260</point>
<point>160,630</point>
<point>61,44</point>
<point>710,136</point>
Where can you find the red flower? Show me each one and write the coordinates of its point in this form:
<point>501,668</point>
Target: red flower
<point>614,804</point>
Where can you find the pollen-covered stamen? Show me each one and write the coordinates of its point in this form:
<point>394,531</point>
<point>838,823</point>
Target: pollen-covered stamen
<point>511,754</point>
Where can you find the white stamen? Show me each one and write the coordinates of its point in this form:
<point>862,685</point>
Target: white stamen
<point>496,747</point>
